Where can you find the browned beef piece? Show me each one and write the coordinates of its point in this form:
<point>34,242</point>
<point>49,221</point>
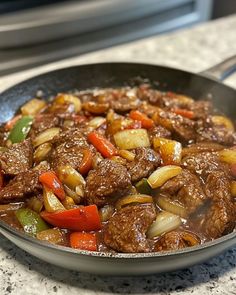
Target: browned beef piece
<point>201,108</point>
<point>175,240</point>
<point>18,158</point>
<point>204,163</point>
<point>207,131</point>
<point>159,131</point>
<point>124,104</point>
<point>150,95</point>
<point>126,230</point>
<point>108,181</point>
<point>145,162</point>
<point>21,187</point>
<point>68,149</point>
<point>217,186</point>
<point>219,219</point>
<point>183,129</point>
<point>185,188</point>
<point>43,122</point>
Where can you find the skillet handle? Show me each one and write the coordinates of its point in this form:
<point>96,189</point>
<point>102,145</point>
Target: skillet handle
<point>221,70</point>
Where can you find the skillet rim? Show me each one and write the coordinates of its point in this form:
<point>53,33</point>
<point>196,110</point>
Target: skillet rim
<point>29,239</point>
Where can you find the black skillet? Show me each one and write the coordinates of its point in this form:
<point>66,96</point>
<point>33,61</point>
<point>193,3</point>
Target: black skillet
<point>114,75</point>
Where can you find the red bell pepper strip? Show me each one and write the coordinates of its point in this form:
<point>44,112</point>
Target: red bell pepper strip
<point>87,161</point>
<point>9,125</point>
<point>83,241</point>
<point>185,113</point>
<point>145,121</point>
<point>50,180</point>
<point>103,145</point>
<point>84,218</point>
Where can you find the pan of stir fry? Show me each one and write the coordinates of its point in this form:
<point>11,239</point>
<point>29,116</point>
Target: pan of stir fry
<point>119,168</point>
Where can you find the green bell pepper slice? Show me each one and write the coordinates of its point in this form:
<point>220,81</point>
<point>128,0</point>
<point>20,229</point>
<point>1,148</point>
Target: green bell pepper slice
<point>31,221</point>
<point>20,129</point>
<point>143,187</point>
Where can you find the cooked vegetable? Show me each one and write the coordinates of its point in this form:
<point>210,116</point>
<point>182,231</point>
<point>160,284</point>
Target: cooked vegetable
<point>131,139</point>
<point>164,222</point>
<point>46,136</point>
<point>20,130</point>
<point>53,236</point>
<point>83,241</point>
<point>185,113</point>
<point>85,218</point>
<point>70,177</point>
<point>170,150</point>
<point>161,175</point>
<point>51,202</point>
<point>50,180</point>
<point>233,188</point>
<point>118,159</point>
<point>127,155</point>
<point>133,199</point>
<point>228,156</point>
<point>10,124</point>
<point>87,162</point>
<point>103,145</point>
<point>223,121</point>
<point>171,206</point>
<point>143,187</point>
<point>106,212</point>
<point>35,204</point>
<point>96,122</point>
<point>63,98</point>
<point>72,194</point>
<point>95,108</point>
<point>69,203</point>
<point>191,239</point>
<point>42,152</point>
<point>31,222</point>
<point>33,107</point>
<point>145,121</point>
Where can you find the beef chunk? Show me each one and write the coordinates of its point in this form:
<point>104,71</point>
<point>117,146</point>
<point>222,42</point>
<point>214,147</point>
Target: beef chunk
<point>204,163</point>
<point>201,108</point>
<point>219,219</point>
<point>186,189</point>
<point>183,129</point>
<point>68,149</point>
<point>159,131</point>
<point>107,181</point>
<point>24,185</point>
<point>43,122</point>
<point>126,230</point>
<point>145,162</point>
<point>175,240</point>
<point>207,131</point>
<point>18,158</point>
<point>2,136</point>
<point>217,186</point>
<point>124,104</point>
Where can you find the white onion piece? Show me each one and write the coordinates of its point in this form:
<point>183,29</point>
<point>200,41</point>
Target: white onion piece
<point>131,139</point>
<point>228,156</point>
<point>46,136</point>
<point>171,206</point>
<point>165,222</point>
<point>96,122</point>
<point>161,175</point>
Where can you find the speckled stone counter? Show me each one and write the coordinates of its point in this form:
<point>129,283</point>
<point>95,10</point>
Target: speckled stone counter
<point>194,50</point>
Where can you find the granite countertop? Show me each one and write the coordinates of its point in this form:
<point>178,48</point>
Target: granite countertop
<point>192,49</point>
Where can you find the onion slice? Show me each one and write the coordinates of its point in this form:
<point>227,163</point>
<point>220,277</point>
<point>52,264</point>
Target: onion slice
<point>131,139</point>
<point>137,198</point>
<point>46,136</point>
<point>171,206</point>
<point>161,175</point>
<point>164,222</point>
